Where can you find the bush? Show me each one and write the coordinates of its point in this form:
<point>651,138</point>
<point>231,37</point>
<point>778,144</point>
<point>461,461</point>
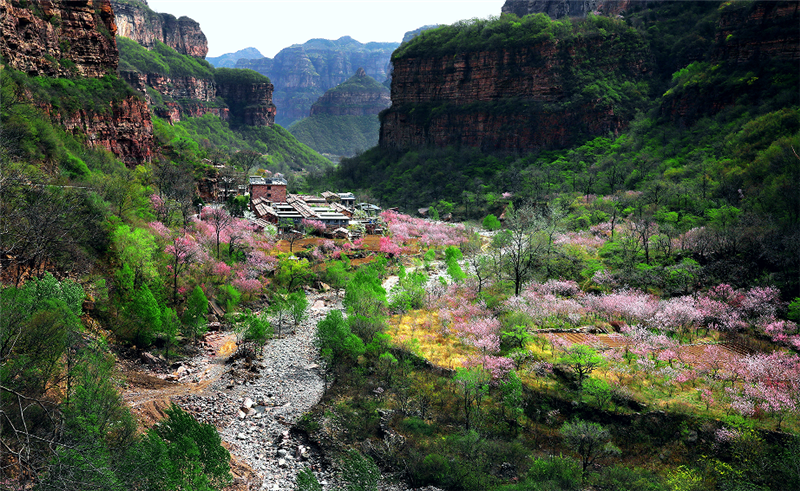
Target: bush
<point>491,223</point>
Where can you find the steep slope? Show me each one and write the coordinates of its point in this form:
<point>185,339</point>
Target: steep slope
<point>302,73</point>
<point>513,85</point>
<point>135,20</point>
<point>73,41</point>
<point>360,95</point>
<point>58,38</point>
<point>557,9</point>
<point>179,86</point>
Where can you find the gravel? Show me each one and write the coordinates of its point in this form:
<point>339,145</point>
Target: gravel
<point>256,403</point>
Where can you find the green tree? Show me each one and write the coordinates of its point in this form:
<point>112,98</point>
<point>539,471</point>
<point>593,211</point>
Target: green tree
<point>589,440</point>
<point>336,276</point>
<point>583,360</point>
<point>298,306</point>
<point>293,273</point>
<point>336,342</point>
<point>144,316</point>
<point>170,327</point>
<point>472,385</point>
<point>194,450</point>
<point>194,318</point>
<point>452,255</point>
<point>491,223</point>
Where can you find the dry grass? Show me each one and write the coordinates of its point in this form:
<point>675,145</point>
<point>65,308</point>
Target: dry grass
<point>421,332</point>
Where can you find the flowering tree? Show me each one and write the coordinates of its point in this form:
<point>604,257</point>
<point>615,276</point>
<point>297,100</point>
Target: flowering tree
<point>183,251</point>
<point>220,220</point>
<point>312,226</point>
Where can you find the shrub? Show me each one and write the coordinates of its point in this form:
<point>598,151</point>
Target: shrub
<point>491,223</point>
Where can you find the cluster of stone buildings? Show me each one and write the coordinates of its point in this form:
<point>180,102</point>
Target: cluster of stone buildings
<point>270,203</point>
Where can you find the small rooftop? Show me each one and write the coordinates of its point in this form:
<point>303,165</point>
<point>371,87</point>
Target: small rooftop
<point>268,181</point>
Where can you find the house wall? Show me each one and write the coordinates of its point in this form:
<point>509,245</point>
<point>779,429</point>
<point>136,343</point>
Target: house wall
<point>273,192</point>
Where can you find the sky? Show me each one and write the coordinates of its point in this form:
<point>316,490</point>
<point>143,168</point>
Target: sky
<point>271,25</point>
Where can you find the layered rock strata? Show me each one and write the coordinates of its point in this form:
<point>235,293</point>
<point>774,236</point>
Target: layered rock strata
<point>197,96</point>
<point>251,104</point>
<point>751,38</point>
<point>135,20</point>
<point>503,100</point>
<point>75,38</point>
<point>59,38</point>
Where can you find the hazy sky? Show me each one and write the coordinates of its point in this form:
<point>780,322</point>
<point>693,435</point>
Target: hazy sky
<point>271,25</point>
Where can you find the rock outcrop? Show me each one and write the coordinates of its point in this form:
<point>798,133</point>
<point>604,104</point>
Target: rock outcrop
<point>250,103</point>
<point>360,95</point>
<point>302,73</point>
<point>759,32</point>
<point>126,130</point>
<point>517,99</point>
<point>59,38</point>
<point>557,9</point>
<point>76,39</point>
<point>751,39</point>
<point>135,20</point>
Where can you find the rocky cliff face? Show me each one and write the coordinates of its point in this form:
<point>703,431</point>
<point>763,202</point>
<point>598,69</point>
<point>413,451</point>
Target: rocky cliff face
<point>557,9</point>
<point>251,104</point>
<point>751,39</point>
<point>135,20</point>
<point>302,73</point>
<point>761,31</point>
<point>59,38</point>
<point>504,100</point>
<point>361,95</point>
<point>196,96</point>
<point>76,39</point>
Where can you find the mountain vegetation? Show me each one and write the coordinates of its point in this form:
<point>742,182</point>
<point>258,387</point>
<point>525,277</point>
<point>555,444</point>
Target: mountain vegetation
<point>337,135</point>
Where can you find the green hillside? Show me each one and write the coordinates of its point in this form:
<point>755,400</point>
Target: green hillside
<point>337,135</point>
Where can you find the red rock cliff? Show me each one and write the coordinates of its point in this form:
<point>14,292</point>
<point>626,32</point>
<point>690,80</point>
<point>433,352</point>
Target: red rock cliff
<point>75,38</point>
<point>557,9</point>
<point>49,37</point>
<point>506,100</point>
<point>135,20</point>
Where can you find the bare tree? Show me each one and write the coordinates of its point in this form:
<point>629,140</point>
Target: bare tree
<point>219,219</point>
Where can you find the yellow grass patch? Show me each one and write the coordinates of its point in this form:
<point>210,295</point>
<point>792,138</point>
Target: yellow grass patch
<point>227,349</point>
<point>421,332</point>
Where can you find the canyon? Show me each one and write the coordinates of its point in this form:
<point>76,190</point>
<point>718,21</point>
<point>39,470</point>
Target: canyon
<point>302,73</point>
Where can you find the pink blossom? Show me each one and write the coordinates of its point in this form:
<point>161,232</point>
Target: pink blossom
<point>160,229</point>
<point>315,225</point>
<point>389,247</point>
<point>248,286</point>
<point>498,366</point>
<point>221,269</point>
